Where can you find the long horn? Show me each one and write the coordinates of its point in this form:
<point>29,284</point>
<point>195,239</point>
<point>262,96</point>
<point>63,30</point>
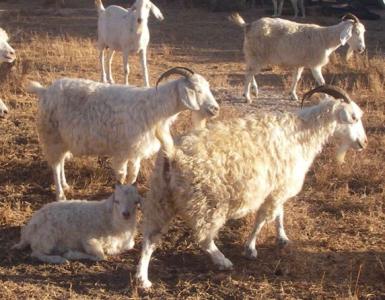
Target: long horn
<point>350,16</point>
<point>331,90</point>
<point>186,72</point>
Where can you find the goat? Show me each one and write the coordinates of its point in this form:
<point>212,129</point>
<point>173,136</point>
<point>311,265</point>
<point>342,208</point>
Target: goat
<point>238,166</point>
<point>7,54</point>
<point>80,229</point>
<point>276,41</point>
<point>91,118</point>
<point>125,30</point>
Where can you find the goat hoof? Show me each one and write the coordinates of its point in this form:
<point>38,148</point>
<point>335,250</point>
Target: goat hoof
<point>144,283</point>
<point>61,198</point>
<point>293,97</point>
<point>250,253</point>
<point>282,242</point>
<point>225,264</point>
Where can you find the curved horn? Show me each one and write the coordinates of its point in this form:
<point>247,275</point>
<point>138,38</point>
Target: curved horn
<point>350,16</point>
<point>186,72</point>
<point>331,90</point>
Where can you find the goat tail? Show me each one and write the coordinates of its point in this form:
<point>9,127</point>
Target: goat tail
<point>36,88</point>
<point>99,6</point>
<point>167,150</point>
<point>237,19</point>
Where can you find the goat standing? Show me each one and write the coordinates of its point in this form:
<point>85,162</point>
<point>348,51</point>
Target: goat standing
<point>125,30</point>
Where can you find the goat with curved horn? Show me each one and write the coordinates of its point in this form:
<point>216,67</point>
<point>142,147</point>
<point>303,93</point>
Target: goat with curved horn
<point>331,90</point>
<point>350,16</point>
<point>186,72</point>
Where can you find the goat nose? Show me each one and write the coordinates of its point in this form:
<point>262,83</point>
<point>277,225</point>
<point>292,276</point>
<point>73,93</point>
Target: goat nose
<point>126,214</point>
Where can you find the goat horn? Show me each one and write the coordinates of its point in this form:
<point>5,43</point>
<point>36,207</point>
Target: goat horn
<point>331,90</point>
<point>186,72</point>
<point>350,16</point>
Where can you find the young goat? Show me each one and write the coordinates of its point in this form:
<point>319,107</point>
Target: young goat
<point>91,118</point>
<point>270,41</point>
<point>125,30</point>
<point>239,166</point>
<point>80,229</point>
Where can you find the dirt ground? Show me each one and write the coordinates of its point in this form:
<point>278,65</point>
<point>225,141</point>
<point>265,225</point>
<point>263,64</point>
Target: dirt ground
<point>336,224</point>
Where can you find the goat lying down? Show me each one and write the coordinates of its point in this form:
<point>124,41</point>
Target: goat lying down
<point>80,229</point>
<point>239,166</point>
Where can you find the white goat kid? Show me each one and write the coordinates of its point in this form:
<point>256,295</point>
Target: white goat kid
<point>80,229</point>
<point>269,41</point>
<point>127,31</point>
<point>126,123</point>
<point>278,7</point>
<point>241,165</point>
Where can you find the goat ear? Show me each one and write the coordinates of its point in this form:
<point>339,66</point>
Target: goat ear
<point>346,34</point>
<point>156,12</point>
<point>188,97</point>
<point>344,117</point>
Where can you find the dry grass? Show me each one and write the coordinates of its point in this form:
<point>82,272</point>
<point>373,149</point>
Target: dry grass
<point>337,222</point>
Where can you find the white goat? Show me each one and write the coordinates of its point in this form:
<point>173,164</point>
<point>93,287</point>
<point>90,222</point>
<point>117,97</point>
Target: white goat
<point>7,54</point>
<point>90,118</point>
<point>242,165</point>
<point>294,3</point>
<point>270,41</point>
<point>3,109</point>
<point>125,30</point>
<point>80,229</point>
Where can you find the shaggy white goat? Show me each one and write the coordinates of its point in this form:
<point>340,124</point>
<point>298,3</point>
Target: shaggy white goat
<point>7,54</point>
<point>294,3</point>
<point>125,30</point>
<point>90,118</point>
<point>270,41</point>
<point>80,229</point>
<point>242,165</point>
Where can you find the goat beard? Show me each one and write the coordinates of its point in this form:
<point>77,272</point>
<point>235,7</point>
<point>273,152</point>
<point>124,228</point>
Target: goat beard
<point>349,53</point>
<point>340,154</point>
<point>198,120</point>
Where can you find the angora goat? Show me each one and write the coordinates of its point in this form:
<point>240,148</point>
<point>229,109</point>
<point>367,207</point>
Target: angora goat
<point>239,166</point>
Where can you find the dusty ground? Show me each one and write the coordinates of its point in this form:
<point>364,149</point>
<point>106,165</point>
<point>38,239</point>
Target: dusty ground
<point>337,223</point>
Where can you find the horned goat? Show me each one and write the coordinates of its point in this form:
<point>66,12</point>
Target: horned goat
<point>80,229</point>
<point>239,166</point>
<point>127,31</point>
<point>91,118</point>
<point>294,3</point>
<point>269,41</point>
<point>7,54</point>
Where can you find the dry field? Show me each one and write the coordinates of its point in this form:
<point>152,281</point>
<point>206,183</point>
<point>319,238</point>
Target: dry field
<point>337,223</point>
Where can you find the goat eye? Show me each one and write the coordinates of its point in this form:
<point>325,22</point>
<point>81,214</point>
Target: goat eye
<point>354,118</point>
